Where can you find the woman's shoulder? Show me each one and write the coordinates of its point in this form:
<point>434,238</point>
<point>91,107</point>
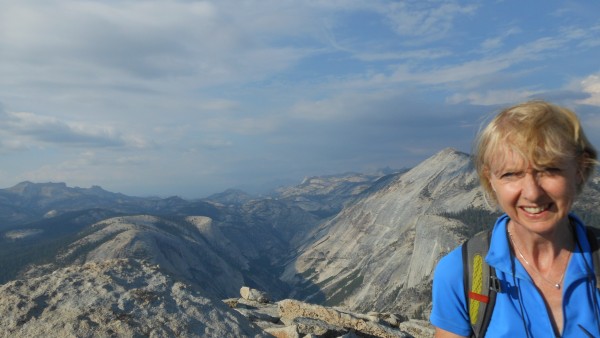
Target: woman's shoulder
<point>449,311</point>
<point>451,265</point>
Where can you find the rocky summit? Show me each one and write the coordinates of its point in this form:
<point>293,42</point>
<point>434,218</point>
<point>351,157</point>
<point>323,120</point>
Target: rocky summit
<point>115,298</point>
<point>131,298</point>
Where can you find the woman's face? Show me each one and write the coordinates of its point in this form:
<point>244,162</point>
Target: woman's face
<point>537,199</point>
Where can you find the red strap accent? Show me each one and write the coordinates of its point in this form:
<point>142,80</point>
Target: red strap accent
<point>478,297</point>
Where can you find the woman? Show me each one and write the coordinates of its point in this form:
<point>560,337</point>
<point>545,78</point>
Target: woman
<point>533,159</point>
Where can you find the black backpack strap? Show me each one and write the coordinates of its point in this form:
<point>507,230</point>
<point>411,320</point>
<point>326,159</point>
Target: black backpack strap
<point>593,235</point>
<point>480,282</point>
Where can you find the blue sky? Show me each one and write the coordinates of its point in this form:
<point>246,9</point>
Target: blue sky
<point>190,98</point>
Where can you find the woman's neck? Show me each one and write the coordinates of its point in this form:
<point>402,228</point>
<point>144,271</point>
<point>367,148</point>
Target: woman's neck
<point>542,249</point>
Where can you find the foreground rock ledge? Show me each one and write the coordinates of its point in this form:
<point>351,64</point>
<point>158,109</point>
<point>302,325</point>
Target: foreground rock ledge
<point>116,298</point>
<point>294,319</point>
<point>129,298</point>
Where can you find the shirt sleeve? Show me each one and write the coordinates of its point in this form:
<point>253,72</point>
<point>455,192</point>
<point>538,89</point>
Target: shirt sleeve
<point>449,310</point>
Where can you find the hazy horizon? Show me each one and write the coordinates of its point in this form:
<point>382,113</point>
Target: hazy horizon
<point>267,189</point>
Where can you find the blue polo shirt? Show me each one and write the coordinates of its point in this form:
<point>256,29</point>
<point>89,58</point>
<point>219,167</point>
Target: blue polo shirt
<point>520,306</point>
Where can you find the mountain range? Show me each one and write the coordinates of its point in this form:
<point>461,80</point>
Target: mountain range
<point>357,241</point>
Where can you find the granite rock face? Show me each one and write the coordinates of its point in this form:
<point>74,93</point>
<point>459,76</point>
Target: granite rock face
<point>380,252</point>
<point>327,195</point>
<point>114,298</point>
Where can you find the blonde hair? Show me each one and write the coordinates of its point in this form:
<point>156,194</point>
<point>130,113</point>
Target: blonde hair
<point>540,133</point>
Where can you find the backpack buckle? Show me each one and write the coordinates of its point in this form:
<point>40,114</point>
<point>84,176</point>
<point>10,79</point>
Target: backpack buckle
<point>495,284</point>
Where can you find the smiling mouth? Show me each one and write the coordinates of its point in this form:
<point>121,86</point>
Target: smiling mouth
<point>536,210</point>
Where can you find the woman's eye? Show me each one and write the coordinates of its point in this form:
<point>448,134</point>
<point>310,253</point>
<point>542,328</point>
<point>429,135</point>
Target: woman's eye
<point>552,171</point>
<point>508,175</point>
<point>512,175</point>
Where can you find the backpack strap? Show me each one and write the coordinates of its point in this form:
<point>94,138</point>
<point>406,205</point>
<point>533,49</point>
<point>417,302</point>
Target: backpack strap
<point>593,235</point>
<point>480,282</point>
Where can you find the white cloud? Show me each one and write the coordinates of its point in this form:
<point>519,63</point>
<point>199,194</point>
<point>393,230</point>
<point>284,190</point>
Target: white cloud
<point>239,123</point>
<point>591,86</point>
<point>216,143</point>
<point>499,41</point>
<point>465,73</point>
<point>492,43</point>
<point>493,97</point>
<point>453,74</point>
<point>149,44</point>
<point>217,105</point>
<point>221,88</point>
<point>429,20</point>
<point>24,128</point>
<point>419,54</point>
<point>318,110</point>
<point>345,106</point>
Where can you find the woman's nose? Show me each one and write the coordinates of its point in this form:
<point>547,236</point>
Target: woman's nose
<point>532,190</point>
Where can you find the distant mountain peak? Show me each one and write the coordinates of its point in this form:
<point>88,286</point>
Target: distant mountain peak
<point>31,187</point>
<point>446,157</point>
<point>450,152</point>
<point>28,185</point>
<point>231,196</point>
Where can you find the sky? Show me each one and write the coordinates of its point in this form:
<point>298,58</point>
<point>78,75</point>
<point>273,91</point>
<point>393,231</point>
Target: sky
<point>190,98</point>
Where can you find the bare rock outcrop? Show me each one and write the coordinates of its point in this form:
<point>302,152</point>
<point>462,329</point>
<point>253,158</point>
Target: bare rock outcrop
<point>290,318</point>
<point>254,294</point>
<point>114,298</point>
<point>380,251</point>
<point>291,310</point>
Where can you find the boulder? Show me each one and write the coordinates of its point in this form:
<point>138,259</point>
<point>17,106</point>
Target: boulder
<point>290,308</point>
<point>418,328</point>
<point>284,332</point>
<point>317,327</point>
<point>253,294</point>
